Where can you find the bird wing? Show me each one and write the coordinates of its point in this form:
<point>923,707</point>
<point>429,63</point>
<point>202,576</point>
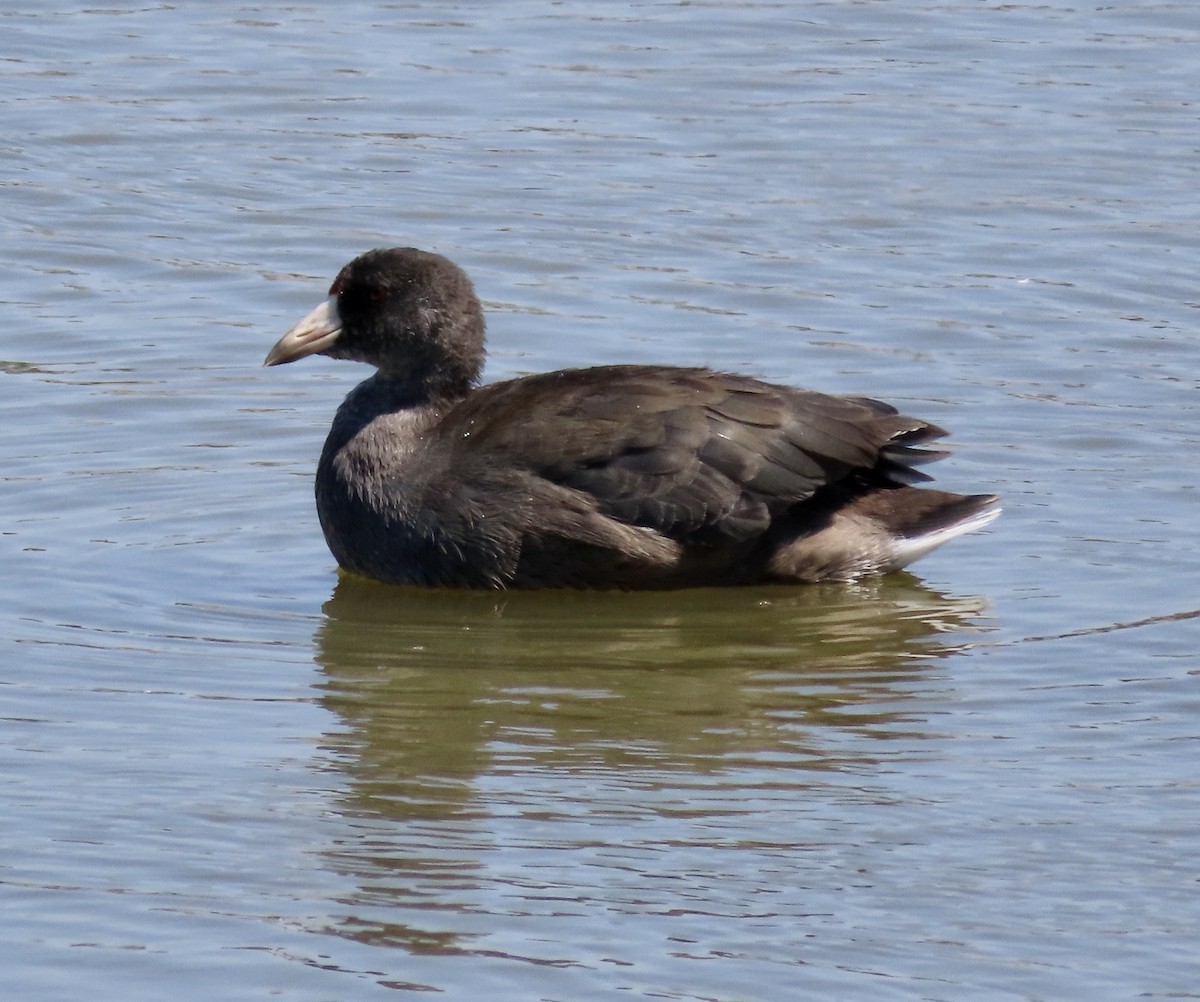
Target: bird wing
<point>697,455</point>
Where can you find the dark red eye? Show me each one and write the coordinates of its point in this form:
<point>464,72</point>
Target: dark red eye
<point>376,294</point>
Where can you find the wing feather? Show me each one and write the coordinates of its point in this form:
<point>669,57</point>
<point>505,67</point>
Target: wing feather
<point>692,454</point>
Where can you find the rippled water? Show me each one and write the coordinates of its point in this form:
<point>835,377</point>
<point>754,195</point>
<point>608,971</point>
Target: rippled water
<point>228,770</point>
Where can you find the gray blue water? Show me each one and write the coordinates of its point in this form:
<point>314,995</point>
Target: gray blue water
<point>229,774</point>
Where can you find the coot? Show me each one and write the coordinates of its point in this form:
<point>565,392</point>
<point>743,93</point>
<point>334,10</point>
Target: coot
<point>619,476</point>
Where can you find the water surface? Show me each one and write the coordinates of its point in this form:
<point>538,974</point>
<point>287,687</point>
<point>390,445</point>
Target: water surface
<point>229,769</point>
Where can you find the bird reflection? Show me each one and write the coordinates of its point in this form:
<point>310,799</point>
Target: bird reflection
<point>460,707</point>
